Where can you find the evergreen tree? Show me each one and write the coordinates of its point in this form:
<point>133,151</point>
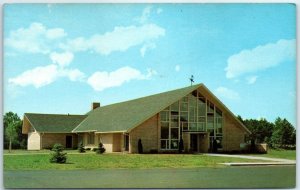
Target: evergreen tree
<point>81,147</point>
<point>140,146</point>
<point>58,156</point>
<point>100,149</point>
<point>261,129</point>
<point>284,133</point>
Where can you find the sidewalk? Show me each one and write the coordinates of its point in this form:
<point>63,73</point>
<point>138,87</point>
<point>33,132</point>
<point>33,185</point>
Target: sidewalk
<point>273,161</point>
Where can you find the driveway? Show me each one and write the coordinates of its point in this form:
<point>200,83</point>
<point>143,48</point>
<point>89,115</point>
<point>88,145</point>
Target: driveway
<point>267,161</point>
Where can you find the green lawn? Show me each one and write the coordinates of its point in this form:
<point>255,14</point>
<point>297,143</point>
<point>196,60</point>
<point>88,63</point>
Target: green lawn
<point>95,161</point>
<point>44,151</point>
<point>286,154</point>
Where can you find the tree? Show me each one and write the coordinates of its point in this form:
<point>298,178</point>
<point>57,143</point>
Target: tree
<point>11,134</point>
<point>58,156</point>
<point>261,129</point>
<point>21,140</point>
<point>284,134</point>
<point>240,118</point>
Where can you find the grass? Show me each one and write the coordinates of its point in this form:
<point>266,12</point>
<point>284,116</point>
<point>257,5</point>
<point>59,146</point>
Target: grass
<point>44,151</point>
<point>95,161</point>
<point>32,169</point>
<point>279,153</point>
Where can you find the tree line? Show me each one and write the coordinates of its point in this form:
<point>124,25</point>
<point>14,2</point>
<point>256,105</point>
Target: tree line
<point>278,134</point>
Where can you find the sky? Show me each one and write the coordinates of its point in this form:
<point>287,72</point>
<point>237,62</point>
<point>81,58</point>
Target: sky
<point>59,58</point>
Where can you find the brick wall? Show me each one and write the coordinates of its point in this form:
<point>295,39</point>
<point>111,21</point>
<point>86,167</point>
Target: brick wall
<point>49,139</point>
<point>148,133</point>
<point>107,141</point>
<point>233,135</point>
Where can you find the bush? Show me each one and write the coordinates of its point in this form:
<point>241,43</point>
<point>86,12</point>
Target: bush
<point>58,156</point>
<point>181,147</point>
<point>153,151</point>
<point>140,146</point>
<point>87,148</point>
<point>95,149</point>
<point>81,148</point>
<point>101,149</point>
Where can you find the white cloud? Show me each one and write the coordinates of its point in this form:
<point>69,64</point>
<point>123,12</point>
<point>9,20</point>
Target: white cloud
<point>145,15</point>
<point>227,93</point>
<point>73,74</point>
<point>101,80</point>
<point>159,10</point>
<point>77,44</point>
<point>55,33</point>
<point>260,58</point>
<point>34,39</point>
<point>120,39</point>
<point>62,59</point>
<point>45,75</point>
<point>251,79</point>
<point>146,47</point>
<point>177,68</point>
<point>38,77</point>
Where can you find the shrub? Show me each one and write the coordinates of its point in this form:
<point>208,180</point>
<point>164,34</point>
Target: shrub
<point>58,156</point>
<point>100,149</point>
<point>95,149</point>
<point>140,146</point>
<point>153,151</point>
<point>81,147</point>
<point>181,147</point>
<point>87,148</point>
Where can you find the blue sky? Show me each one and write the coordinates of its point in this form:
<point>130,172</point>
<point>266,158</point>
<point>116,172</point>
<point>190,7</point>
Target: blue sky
<point>58,58</point>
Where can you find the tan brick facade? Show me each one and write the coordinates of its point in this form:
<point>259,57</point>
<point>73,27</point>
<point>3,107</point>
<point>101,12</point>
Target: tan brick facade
<point>49,139</point>
<point>148,133</point>
<point>233,135</point>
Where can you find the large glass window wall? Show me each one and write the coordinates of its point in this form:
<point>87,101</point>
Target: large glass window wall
<point>193,113</point>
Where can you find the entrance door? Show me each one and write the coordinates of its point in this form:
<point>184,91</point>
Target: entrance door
<point>69,141</point>
<point>194,142</point>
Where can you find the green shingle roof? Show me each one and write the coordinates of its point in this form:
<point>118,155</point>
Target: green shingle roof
<point>127,115</point>
<point>54,123</point>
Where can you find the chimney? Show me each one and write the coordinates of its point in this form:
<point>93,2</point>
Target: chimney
<point>95,105</point>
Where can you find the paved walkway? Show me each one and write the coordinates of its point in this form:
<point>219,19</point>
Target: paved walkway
<point>272,161</point>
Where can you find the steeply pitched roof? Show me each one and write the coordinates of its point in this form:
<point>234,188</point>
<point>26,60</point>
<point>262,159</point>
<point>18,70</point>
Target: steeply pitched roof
<point>126,115</point>
<point>54,123</point>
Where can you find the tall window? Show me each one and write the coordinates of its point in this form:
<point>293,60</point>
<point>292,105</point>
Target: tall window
<point>91,138</point>
<point>193,112</point>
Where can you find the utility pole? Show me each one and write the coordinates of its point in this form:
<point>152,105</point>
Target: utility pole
<point>192,79</point>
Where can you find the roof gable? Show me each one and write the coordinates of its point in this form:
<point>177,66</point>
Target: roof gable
<point>54,123</point>
<point>203,88</point>
<point>127,115</point>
